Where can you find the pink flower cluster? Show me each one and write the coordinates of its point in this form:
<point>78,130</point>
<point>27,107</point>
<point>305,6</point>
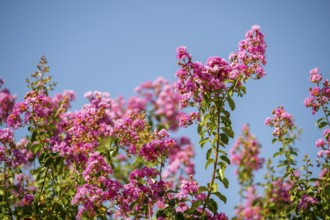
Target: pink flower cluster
<point>320,94</point>
<point>62,101</point>
<point>6,135</point>
<point>158,148</point>
<point>142,190</point>
<point>195,79</point>
<point>78,133</point>
<point>7,102</point>
<point>245,154</point>
<point>250,210</point>
<point>250,56</point>
<point>179,162</point>
<point>324,144</point>
<point>281,121</point>
<point>188,187</point>
<point>280,193</point>
<point>158,98</point>
<point>163,100</point>
<point>187,119</point>
<point>37,107</point>
<point>305,201</point>
<point>90,196</point>
<point>12,155</point>
<point>98,188</point>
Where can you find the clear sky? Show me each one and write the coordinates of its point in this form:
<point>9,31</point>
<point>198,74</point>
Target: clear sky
<point>114,46</point>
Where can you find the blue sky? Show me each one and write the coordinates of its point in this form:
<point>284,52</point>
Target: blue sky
<point>114,46</point>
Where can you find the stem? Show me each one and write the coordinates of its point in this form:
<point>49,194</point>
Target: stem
<point>216,155</point>
<point>288,167</point>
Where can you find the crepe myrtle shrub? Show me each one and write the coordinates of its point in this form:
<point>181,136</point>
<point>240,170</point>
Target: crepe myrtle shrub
<point>115,158</point>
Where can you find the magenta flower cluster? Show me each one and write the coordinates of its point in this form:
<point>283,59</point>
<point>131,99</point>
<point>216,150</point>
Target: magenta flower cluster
<point>324,144</point>
<point>245,154</point>
<point>249,210</point>
<point>12,155</point>
<point>305,201</point>
<point>218,75</point>
<point>37,108</point>
<point>159,147</point>
<point>163,99</point>
<point>179,162</point>
<point>7,102</point>
<point>281,121</point>
<point>320,94</point>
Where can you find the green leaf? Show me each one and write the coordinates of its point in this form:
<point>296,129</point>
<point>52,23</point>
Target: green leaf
<point>243,89</point>
<point>225,182</point>
<point>276,154</point>
<point>281,165</point>
<point>319,121</point>
<point>202,189</point>
<point>294,153</point>
<point>225,158</point>
<point>28,146</point>
<point>221,173</point>
<point>35,148</point>
<point>322,124</point>
<point>203,142</point>
<point>274,140</point>
<point>213,205</point>
<point>290,208</point>
<point>226,121</point>
<point>179,216</point>
<point>205,119</point>
<point>208,154</point>
<point>231,103</point>
<point>209,161</point>
<point>228,132</point>
<point>49,161</point>
<point>206,98</point>
<point>196,204</point>
<point>221,197</point>
<point>214,187</point>
<point>33,136</point>
<point>314,179</point>
<point>224,138</point>
<point>199,128</point>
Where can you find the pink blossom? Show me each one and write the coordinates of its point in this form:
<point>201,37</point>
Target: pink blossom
<point>315,77</point>
<point>326,134</point>
<point>307,201</point>
<point>245,154</point>
<point>6,135</point>
<point>268,121</point>
<point>27,200</point>
<point>7,102</point>
<point>281,121</point>
<point>181,53</point>
<point>188,187</point>
<point>320,94</point>
<point>182,207</point>
<point>319,143</point>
